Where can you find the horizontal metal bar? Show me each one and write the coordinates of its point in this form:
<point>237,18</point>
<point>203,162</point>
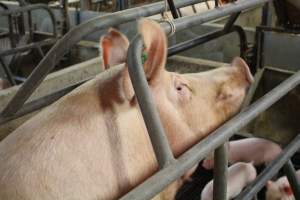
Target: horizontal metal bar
<point>27,47</point>
<point>208,37</point>
<point>162,178</point>
<point>197,19</point>
<point>31,7</point>
<point>71,38</point>
<point>155,129</point>
<point>271,169</point>
<point>290,172</point>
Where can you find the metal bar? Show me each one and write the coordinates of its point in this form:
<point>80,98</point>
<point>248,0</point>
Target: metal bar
<point>266,19</point>
<point>162,178</point>
<point>208,37</point>
<point>290,172</point>
<point>155,129</point>
<point>30,8</point>
<point>220,173</point>
<point>8,72</point>
<point>27,47</point>
<point>173,9</point>
<point>231,21</point>
<point>71,38</point>
<point>197,19</point>
<point>271,169</point>
<point>216,3</point>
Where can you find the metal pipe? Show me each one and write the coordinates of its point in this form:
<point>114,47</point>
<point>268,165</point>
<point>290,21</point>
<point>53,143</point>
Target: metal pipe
<point>271,169</point>
<point>197,19</point>
<point>71,38</point>
<point>173,9</point>
<point>208,37</point>
<point>30,8</point>
<point>220,173</point>
<point>7,72</point>
<point>162,178</point>
<point>290,172</point>
<point>28,47</point>
<point>152,121</point>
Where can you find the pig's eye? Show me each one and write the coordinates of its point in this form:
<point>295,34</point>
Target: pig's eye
<point>179,88</point>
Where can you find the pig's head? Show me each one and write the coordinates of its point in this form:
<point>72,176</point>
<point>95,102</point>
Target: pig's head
<point>279,190</point>
<point>190,105</point>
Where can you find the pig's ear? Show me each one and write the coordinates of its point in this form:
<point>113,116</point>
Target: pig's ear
<point>114,46</point>
<point>155,43</point>
<point>242,65</point>
<point>155,53</point>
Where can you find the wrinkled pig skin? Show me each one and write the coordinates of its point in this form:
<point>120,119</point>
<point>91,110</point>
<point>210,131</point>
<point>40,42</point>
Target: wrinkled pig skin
<point>93,144</point>
<point>239,176</point>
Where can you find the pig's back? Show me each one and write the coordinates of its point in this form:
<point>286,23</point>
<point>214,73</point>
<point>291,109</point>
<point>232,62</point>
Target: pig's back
<point>67,152</point>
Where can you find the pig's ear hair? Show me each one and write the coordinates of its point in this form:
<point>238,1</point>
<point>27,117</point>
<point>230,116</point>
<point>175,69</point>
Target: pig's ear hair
<point>155,43</point>
<point>113,48</point>
<point>242,65</point>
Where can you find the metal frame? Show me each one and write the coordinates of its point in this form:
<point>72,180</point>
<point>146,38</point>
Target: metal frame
<point>170,168</point>
<point>71,38</point>
<point>173,171</point>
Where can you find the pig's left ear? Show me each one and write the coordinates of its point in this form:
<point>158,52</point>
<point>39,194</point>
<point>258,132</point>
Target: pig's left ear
<point>114,46</point>
<point>155,54</point>
<point>242,65</point>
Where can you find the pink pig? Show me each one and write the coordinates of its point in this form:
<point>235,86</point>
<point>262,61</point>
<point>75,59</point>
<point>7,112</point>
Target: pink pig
<point>256,150</point>
<point>93,143</point>
<point>239,175</point>
<point>280,189</point>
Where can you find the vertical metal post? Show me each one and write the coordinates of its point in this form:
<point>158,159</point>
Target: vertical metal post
<point>290,172</point>
<point>155,129</point>
<point>220,173</point>
<point>266,19</point>
<point>216,3</point>
<point>8,72</point>
<point>173,9</point>
<point>84,5</point>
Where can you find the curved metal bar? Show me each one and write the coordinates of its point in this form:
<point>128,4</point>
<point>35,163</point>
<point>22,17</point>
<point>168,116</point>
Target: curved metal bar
<point>162,178</point>
<point>151,118</point>
<point>71,38</point>
<point>272,168</point>
<point>28,8</point>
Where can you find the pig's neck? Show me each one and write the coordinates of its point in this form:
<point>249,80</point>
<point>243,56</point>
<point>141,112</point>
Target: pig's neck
<point>179,135</point>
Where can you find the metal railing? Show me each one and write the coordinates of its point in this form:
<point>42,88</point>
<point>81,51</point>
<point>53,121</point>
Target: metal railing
<point>71,38</point>
<point>171,168</point>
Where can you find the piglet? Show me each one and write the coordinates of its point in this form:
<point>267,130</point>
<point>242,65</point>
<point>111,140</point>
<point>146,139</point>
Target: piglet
<point>239,176</point>
<point>280,189</point>
<point>258,150</point>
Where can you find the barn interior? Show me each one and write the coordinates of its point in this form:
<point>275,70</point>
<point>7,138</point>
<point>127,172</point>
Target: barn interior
<point>49,48</point>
